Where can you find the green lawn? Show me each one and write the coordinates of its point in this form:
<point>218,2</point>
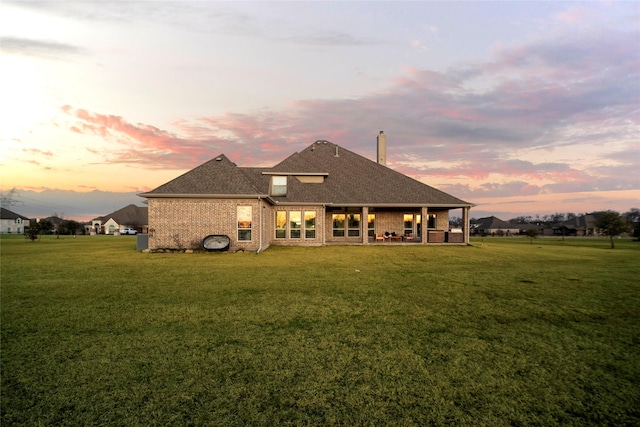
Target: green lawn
<point>499,333</point>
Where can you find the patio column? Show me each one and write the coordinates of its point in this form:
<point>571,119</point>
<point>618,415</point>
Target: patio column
<point>425,221</point>
<point>365,225</point>
<point>465,224</point>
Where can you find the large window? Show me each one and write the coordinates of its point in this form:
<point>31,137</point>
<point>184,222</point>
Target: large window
<point>244,223</point>
<point>431,221</point>
<point>413,225</point>
<point>295,224</point>
<point>408,224</point>
<point>281,224</point>
<point>290,224</point>
<point>371,225</point>
<point>346,224</point>
<point>353,225</point>
<point>310,225</point>
<point>338,224</point>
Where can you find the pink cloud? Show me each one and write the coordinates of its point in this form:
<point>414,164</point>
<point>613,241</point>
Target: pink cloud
<point>529,98</point>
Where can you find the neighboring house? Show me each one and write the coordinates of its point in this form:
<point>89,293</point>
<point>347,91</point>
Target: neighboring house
<point>323,195</point>
<point>584,225</point>
<point>131,216</point>
<point>12,223</point>
<point>492,226</point>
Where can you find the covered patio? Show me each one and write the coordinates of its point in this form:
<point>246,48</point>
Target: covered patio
<point>394,225</point>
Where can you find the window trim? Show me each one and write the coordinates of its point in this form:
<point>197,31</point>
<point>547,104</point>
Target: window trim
<point>240,229</point>
<point>278,185</point>
<point>304,231</point>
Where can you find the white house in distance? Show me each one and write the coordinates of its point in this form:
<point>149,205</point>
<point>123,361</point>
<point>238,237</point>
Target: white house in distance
<point>12,223</point>
<point>130,216</point>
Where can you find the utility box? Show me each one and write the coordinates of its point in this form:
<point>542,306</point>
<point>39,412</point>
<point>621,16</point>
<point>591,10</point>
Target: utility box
<point>142,242</point>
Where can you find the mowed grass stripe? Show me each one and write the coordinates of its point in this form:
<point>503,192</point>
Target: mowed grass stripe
<point>503,332</point>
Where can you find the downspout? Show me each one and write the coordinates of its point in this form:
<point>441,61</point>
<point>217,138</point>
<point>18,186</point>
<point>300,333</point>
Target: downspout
<point>324,223</point>
<point>261,225</point>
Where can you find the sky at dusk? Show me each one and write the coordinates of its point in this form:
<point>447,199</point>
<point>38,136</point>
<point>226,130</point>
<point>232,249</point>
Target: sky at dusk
<point>521,108</point>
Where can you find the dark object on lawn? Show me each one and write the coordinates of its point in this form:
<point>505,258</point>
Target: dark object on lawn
<point>216,242</point>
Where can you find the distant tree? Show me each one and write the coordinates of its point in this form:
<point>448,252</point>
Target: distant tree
<point>455,222</point>
<point>521,220</point>
<point>33,231</point>
<point>45,226</point>
<point>69,227</point>
<point>611,224</point>
<point>7,199</point>
<point>531,233</point>
<point>633,218</point>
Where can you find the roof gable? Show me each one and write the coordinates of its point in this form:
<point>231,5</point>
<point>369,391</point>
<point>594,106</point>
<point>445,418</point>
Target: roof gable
<point>7,214</point>
<point>219,176</point>
<point>354,179</point>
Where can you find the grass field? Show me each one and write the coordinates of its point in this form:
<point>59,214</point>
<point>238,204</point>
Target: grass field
<point>500,333</point>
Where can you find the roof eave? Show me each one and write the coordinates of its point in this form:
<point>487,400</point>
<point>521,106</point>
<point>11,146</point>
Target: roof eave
<point>201,196</point>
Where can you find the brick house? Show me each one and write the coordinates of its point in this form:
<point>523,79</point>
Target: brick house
<point>322,195</point>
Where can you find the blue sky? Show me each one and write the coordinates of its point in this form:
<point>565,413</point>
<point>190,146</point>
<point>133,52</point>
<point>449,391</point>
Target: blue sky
<point>519,107</point>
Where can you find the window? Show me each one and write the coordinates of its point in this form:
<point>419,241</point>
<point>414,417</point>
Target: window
<point>310,225</point>
<point>281,224</point>
<point>244,223</point>
<point>413,225</point>
<point>408,224</point>
<point>279,186</point>
<point>431,221</point>
<point>295,224</point>
<point>290,224</point>
<point>353,225</point>
<point>338,224</point>
<point>371,225</point>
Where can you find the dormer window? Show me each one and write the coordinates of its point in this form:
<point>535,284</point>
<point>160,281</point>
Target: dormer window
<point>278,185</point>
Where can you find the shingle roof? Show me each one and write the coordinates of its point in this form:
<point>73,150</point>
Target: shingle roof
<point>580,222</point>
<point>491,222</point>
<point>129,215</point>
<point>7,214</point>
<point>349,179</point>
<point>218,176</point>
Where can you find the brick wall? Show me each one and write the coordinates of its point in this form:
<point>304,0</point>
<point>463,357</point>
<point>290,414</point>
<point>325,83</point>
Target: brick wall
<point>184,223</point>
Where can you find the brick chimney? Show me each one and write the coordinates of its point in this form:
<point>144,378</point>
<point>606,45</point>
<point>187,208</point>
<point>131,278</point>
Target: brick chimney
<point>382,148</point>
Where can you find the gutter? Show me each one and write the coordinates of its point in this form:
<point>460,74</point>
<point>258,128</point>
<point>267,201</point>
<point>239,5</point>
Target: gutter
<point>199,196</point>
